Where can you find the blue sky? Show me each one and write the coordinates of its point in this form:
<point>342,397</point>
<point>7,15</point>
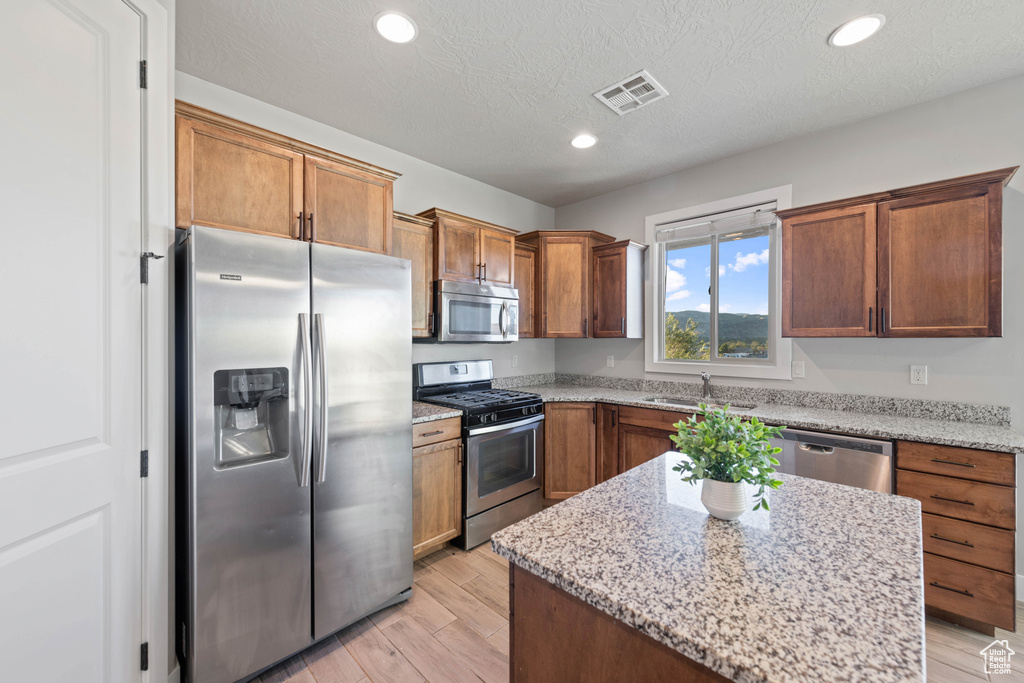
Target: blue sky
<point>742,280</point>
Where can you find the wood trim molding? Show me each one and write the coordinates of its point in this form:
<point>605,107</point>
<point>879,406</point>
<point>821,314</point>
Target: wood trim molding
<point>592,234</point>
<point>198,113</point>
<point>1002,176</point>
<point>415,220</point>
<point>435,213</point>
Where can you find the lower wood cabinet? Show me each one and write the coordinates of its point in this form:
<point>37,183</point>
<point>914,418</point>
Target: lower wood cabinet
<point>968,521</point>
<point>569,457</point>
<point>436,486</point>
<point>638,445</point>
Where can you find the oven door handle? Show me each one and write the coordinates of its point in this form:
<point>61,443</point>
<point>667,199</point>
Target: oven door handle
<point>477,431</point>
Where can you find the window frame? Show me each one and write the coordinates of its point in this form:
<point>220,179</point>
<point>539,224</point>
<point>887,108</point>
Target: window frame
<point>779,364</point>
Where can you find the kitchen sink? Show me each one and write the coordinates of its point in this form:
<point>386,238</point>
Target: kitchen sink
<point>693,404</point>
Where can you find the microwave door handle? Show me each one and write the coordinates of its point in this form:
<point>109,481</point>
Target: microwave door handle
<point>321,470</point>
<point>502,324</point>
<point>307,401</point>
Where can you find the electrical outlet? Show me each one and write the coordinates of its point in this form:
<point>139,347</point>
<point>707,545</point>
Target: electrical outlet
<point>798,369</point>
<point>919,374</point>
<point>610,361</point>
<point>515,360</point>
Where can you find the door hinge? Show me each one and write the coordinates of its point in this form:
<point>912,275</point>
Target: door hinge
<point>144,656</point>
<point>144,266</point>
<point>144,464</point>
<point>143,74</point>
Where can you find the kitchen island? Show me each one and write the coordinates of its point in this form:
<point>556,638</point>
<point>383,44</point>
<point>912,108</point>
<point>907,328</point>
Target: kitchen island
<point>633,580</point>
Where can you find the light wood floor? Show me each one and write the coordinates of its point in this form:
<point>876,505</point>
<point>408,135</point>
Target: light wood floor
<point>455,628</point>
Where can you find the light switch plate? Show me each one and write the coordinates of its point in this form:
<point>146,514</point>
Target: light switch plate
<point>515,360</point>
<point>798,369</point>
<point>919,374</point>
<point>610,361</point>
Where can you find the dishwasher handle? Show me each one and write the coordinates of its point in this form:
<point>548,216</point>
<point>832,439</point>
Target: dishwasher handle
<point>815,448</point>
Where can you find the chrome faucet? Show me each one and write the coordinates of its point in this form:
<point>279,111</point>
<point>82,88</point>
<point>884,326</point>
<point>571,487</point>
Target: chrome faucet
<point>706,394</point>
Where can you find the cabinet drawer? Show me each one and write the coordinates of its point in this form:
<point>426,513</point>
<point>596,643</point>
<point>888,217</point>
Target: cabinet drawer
<point>970,591</point>
<point>437,430</point>
<point>651,418</point>
<point>965,463</point>
<point>968,542</point>
<point>959,498</point>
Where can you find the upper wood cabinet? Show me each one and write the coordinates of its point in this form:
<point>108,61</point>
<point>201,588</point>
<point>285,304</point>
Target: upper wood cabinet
<point>828,273</point>
<point>346,207</point>
<point>569,455</point>
<point>921,261</point>
<point>413,239</point>
<point>564,283</point>
<point>236,176</point>
<point>525,283</point>
<point>228,180</point>
<point>470,250</point>
<point>619,290</point>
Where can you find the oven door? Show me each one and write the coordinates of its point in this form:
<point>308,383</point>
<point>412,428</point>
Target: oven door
<point>503,462</point>
<point>469,318</point>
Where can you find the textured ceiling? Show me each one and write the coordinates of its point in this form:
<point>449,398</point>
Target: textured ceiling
<point>495,89</point>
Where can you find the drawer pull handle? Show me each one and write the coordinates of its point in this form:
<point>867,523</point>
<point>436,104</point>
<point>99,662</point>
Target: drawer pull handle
<point>950,540</point>
<point>439,431</point>
<point>952,590</point>
<point>953,500</point>
<point>953,462</point>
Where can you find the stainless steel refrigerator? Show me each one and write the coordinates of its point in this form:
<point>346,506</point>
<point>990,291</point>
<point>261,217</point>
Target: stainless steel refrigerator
<point>294,447</point>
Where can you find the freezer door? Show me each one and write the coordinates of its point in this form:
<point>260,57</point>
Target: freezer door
<point>362,489</point>
<point>249,515</point>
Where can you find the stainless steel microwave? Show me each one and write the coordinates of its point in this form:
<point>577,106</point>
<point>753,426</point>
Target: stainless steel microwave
<point>472,313</point>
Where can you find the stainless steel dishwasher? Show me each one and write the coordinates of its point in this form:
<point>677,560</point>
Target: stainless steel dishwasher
<point>849,460</point>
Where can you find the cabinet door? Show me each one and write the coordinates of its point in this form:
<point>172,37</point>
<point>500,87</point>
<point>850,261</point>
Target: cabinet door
<point>458,251</point>
<point>610,293</point>
<point>496,258</point>
<point>565,288</point>
<point>638,445</point>
<point>940,263</point>
<point>232,181</point>
<point>416,243</point>
<point>569,465</point>
<point>828,273</point>
<point>525,272</point>
<point>607,446</point>
<point>346,207</point>
<point>436,495</point>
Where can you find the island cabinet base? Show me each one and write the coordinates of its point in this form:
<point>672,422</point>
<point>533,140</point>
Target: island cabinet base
<point>556,637</point>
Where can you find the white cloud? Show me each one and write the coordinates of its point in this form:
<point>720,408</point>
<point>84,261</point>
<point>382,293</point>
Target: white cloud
<point>724,308</point>
<point>704,307</point>
<point>678,296</point>
<point>674,281</point>
<point>745,260</point>
<point>707,271</point>
<point>678,263</point>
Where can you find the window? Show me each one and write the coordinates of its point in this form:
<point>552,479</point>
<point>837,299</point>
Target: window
<point>714,289</point>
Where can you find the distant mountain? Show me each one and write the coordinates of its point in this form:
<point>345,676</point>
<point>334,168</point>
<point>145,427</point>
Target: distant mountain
<point>745,327</point>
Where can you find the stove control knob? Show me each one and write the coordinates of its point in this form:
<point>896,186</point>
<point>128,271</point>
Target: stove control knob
<point>526,410</point>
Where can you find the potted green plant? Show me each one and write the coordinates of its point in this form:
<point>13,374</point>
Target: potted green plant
<point>726,453</point>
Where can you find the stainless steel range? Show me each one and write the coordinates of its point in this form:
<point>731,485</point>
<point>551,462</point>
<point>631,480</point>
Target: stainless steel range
<point>503,436</point>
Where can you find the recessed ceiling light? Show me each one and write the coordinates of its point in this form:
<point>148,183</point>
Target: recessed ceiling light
<point>856,30</point>
<point>583,141</point>
<point>395,26</point>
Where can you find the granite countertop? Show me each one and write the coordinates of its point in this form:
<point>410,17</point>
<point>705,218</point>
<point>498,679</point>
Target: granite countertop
<point>990,437</point>
<point>428,412</point>
<point>826,586</point>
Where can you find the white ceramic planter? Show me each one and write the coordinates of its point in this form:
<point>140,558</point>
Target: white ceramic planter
<point>725,499</point>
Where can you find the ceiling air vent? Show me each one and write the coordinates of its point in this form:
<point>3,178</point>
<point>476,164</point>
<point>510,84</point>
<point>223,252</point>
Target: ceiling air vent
<point>631,93</point>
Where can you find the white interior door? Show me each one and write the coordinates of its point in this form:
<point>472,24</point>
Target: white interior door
<point>70,340</point>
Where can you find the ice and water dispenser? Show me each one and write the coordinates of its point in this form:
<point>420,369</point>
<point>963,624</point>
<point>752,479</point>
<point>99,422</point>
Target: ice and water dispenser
<point>250,415</point>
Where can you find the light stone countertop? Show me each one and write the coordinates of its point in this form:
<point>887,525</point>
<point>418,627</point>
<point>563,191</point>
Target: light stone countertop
<point>428,412</point>
<point>826,586</point>
<point>966,434</point>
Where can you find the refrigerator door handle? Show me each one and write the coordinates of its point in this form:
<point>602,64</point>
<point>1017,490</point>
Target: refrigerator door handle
<point>321,469</point>
<point>307,389</point>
